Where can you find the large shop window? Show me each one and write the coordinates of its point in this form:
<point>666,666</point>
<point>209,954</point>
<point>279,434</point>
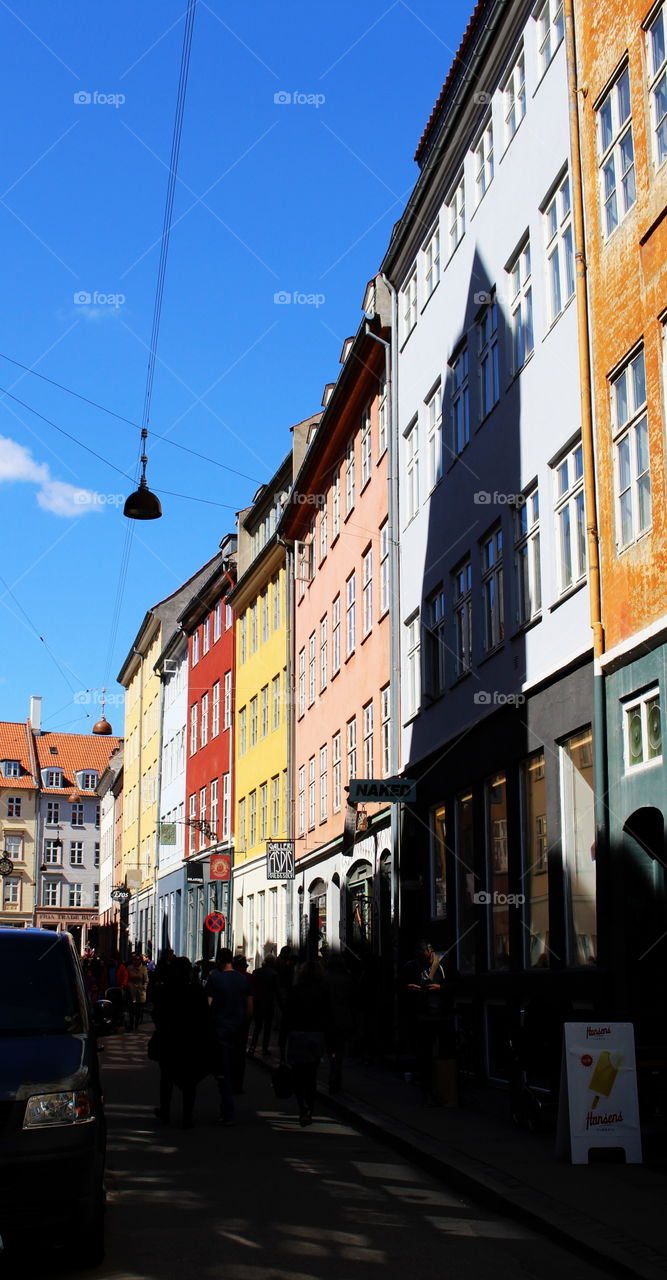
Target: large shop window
<point>360,908</point>
<point>318,904</point>
<point>579,845</point>
<point>438,863</point>
<point>535,879</point>
<point>497,863</point>
<point>468,912</point>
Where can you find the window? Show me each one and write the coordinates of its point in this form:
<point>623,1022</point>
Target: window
<point>335,636</point>
<point>263,810</point>
<point>527,557</point>
<point>77,814</point>
<point>264,724</point>
<point>194,713</point>
<point>456,213</point>
<point>192,821</point>
<point>460,401</point>
<point>436,649</point>
<point>413,689</point>
<point>484,162</point>
<point>497,861</point>
<point>351,613</point>
<point>52,851</point>
<point>96,854</point>
<point>195,647</point>
<point>215,710</point>
<point>217,621</point>
<point>514,97</point>
<point>351,748</point>
<point>367,589</point>
<point>243,639</point>
<point>384,568</point>
<point>11,891</point>
<point>324,531</point>
<point>88,781</point>
<point>616,154</point>
<point>276,604</point>
<point>311,793</point>
<point>550,31</point>
<point>13,845</point>
<point>206,635</point>
<point>302,683</point>
<point>657,66</point>
<point>12,769</point>
<point>560,249</point>
<point>492,590</point>
<point>643,730</point>
<point>570,518</point>
<point>432,264</point>
<point>434,437</point>
<point>535,877</point>
<point>489,362</point>
<point>412,470</point>
<point>383,423</point>
<point>202,818</point>
<point>385,711</point>
<point>368,740</point>
<point>275,702</point>
<point>54,778</point>
<point>349,478</point>
<point>252,819</point>
<point>226,805</point>
<point>76,853</point>
<point>462,602</point>
<point>275,806</point>
<point>335,773</point>
<point>243,731</point>
<point>214,809</point>
<point>324,783</point>
<point>578,823</point>
<point>253,722</point>
<point>96,895</point>
<point>410,305</point>
<point>52,812</point>
<point>438,863</point>
<point>254,640</point>
<point>97,815</point>
<point>324,652</point>
<point>632,475</point>
<point>14,808</point>
<point>301,800</point>
<point>265,614</point>
<point>74,895</point>
<point>335,505</point>
<point>521,308</point>
<point>366,445</point>
<point>228,700</point>
<point>50,893</point>
<point>312,669</point>
<point>204,720</point>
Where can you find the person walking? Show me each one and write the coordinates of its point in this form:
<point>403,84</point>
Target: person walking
<point>181,1041</point>
<point>266,993</point>
<point>240,1044</point>
<point>230,1002</point>
<point>423,984</point>
<point>137,986</point>
<point>338,983</point>
<point>116,988</point>
<point>305,1033</point>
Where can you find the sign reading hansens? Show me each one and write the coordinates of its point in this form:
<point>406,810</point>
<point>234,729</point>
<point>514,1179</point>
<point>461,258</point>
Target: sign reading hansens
<point>280,859</point>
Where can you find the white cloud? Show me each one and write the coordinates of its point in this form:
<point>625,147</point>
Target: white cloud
<point>61,499</point>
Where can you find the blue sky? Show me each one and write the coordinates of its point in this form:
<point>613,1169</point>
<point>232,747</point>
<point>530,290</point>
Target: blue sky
<point>274,196</point>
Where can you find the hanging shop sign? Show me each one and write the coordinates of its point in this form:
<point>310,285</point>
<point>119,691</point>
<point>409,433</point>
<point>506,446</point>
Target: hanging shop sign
<point>280,859</point>
<point>598,1105</point>
<point>220,866</point>
<point>382,790</point>
<point>120,895</point>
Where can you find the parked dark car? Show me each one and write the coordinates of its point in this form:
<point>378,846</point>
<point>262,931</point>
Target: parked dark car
<point>52,1128</point>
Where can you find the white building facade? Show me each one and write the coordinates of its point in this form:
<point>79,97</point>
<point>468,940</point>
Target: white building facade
<point>172,667</point>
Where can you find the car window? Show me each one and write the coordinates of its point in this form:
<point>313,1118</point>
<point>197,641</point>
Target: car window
<point>38,992</point>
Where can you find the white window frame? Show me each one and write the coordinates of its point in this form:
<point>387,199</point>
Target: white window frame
<point>456,214</point>
<point>263,811</point>
<point>641,704</point>
<point>311,793</point>
<point>367,590</point>
<point>351,614</point>
<point>411,437</point>
<point>570,518</point>
<point>275,805</point>
<point>432,263</point>
<point>301,685</point>
<point>253,721</point>
<point>195,648</point>
<point>493,589</point>
<point>335,636</point>
<point>215,710</point>
<point>384,568</point>
<point>76,853</point>
<point>409,304</point>
<point>11,891</point>
<point>385,716</point>
<point>460,400</point>
<point>559,249</point>
<point>194,736</point>
<point>264,712</point>
<point>51,893</point>
<point>217,621</point>
<point>520,290</point>
<point>433,405</point>
<point>206,635</point>
<point>435,666</point>
<point>324,652</point>
<point>323,531</point>
<point>203,728</point>
<point>527,557</point>
<point>351,745</point>
<point>214,809</point>
<point>312,668</point>
<point>252,819</point>
<point>632,473</point>
<point>335,773</point>
<point>301,800</point>
<point>324,783</point>
<point>616,153</point>
<point>656,61</point>
<point>275,702</point>
<point>243,731</point>
<point>383,420</point>
<point>550,32</point>
<point>77,818</point>
<point>366,448</point>
<point>413,665</point>
<point>74,896</point>
<point>514,96</point>
<point>335,505</point>
<point>350,478</point>
<point>368,729</point>
<point>488,353</point>
<point>484,163</point>
<point>462,610</point>
<point>226,804</point>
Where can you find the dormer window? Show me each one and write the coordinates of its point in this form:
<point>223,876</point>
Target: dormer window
<point>11,768</point>
<point>52,777</point>
<point>86,781</point>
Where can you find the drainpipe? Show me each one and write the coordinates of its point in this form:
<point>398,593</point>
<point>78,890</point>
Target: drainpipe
<point>588,449</point>
<point>291,719</point>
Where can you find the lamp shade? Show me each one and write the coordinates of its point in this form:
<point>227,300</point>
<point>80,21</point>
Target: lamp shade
<point>142,504</point>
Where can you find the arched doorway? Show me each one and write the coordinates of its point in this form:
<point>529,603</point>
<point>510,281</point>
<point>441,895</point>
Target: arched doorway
<point>359,932</point>
<point>643,922</point>
<point>318,911</point>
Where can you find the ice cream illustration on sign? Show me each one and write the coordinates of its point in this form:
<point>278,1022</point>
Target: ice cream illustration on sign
<point>604,1075</point>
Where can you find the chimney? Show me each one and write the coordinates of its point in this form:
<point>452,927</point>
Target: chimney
<point>36,714</point>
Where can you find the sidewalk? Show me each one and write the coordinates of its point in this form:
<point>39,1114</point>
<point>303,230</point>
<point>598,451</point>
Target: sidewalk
<point>612,1215</point>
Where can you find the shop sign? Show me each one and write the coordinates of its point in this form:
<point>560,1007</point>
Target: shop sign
<point>598,1105</point>
<point>194,872</point>
<point>280,860</point>
<point>382,791</point>
<point>220,866</point>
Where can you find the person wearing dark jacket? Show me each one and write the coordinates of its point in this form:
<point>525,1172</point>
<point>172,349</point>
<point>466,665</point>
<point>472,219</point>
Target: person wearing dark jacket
<point>229,997</point>
<point>305,1034</point>
<point>181,1039</point>
<point>265,992</point>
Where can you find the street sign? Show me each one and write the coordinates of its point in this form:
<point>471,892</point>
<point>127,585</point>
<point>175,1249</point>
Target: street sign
<point>215,922</point>
<point>382,790</point>
<point>6,866</point>
<point>280,859</point>
<point>120,895</point>
<point>220,866</point>
<point>167,833</point>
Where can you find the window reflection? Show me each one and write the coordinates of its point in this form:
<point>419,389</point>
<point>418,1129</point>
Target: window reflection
<point>536,871</point>
<point>579,845</point>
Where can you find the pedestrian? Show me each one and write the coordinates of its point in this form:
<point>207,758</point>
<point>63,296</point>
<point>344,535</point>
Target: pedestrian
<point>305,1033</point>
<point>266,994</point>
<point>338,983</point>
<point>137,987</point>
<point>116,979</point>
<point>230,1001</point>
<point>181,1041</point>
<point>423,981</point>
<point>240,1045</point>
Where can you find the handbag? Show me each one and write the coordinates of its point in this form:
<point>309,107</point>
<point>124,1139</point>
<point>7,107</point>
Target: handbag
<point>281,1079</point>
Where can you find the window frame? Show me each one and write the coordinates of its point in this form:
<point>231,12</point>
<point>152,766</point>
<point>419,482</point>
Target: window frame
<point>612,152</point>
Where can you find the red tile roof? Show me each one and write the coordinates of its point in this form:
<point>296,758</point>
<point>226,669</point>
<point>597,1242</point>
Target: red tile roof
<point>459,61</point>
<point>74,752</point>
<point>15,745</point>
